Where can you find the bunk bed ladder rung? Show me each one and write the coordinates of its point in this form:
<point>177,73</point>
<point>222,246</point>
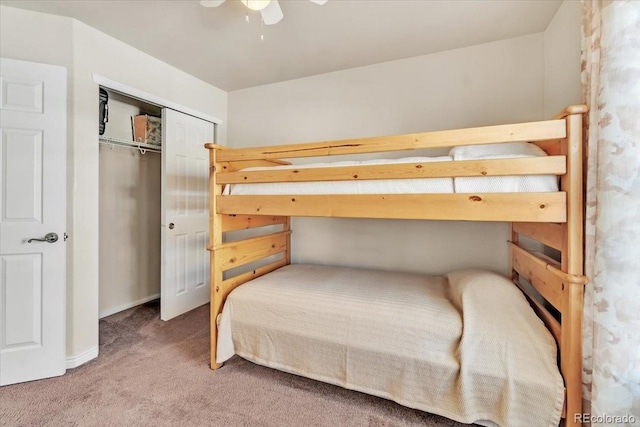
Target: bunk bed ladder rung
<point>235,254</point>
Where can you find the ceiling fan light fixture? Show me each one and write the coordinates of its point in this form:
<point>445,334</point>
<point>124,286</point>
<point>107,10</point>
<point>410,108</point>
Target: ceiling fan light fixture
<point>272,14</point>
<point>269,9</point>
<point>256,4</point>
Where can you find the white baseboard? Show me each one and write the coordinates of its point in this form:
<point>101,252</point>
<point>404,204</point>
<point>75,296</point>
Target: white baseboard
<point>119,308</point>
<point>82,358</point>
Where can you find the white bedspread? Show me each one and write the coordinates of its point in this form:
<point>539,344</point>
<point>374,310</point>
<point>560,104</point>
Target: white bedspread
<point>466,346</point>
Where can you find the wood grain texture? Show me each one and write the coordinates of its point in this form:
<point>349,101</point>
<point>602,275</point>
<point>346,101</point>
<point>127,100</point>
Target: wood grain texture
<point>533,131</point>
<point>232,283</point>
<point>573,252</point>
<point>537,271</point>
<point>215,239</point>
<point>571,350</point>
<point>550,234</point>
<point>243,222</point>
<point>573,264</point>
<point>287,227</point>
<point>236,166</point>
<point>552,147</point>
<point>553,165</point>
<point>212,146</point>
<point>241,252</point>
<point>578,109</point>
<point>521,207</point>
<point>550,322</point>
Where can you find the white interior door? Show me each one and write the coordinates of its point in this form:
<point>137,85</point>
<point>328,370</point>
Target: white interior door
<point>185,213</point>
<point>33,146</point>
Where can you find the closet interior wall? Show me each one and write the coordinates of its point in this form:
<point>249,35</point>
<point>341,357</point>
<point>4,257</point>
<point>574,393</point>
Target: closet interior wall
<point>129,193</point>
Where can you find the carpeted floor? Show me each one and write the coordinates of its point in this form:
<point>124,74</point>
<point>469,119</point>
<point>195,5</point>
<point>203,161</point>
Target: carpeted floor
<point>155,373</point>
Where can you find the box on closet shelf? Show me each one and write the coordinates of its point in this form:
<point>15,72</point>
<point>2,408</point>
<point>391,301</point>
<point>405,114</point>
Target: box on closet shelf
<point>147,129</point>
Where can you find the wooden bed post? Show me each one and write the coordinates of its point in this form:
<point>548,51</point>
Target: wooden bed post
<point>287,227</point>
<point>515,238</point>
<point>572,263</point>
<point>565,294</point>
<point>215,240</point>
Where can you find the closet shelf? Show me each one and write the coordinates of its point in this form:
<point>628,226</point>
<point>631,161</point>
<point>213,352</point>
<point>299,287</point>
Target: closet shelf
<point>144,148</point>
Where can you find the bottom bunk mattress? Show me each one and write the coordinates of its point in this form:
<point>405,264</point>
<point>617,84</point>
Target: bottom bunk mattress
<point>466,345</point>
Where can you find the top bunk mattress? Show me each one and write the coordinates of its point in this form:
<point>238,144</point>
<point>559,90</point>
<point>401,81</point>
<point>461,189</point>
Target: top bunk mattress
<point>466,346</point>
<point>494,184</point>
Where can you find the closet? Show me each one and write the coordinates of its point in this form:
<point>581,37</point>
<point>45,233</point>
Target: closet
<point>153,210</point>
<point>130,190</point>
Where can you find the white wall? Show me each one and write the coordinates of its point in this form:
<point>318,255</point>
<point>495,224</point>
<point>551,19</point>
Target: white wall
<point>37,37</point>
<point>562,37</point>
<point>487,84</point>
<point>54,48</point>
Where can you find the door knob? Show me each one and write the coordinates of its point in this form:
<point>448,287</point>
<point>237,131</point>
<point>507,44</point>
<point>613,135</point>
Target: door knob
<point>49,238</point>
<point>171,226</point>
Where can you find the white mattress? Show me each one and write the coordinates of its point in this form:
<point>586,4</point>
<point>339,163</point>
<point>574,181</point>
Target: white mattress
<point>380,186</point>
<point>402,337</point>
<point>494,184</point>
<point>502,184</point>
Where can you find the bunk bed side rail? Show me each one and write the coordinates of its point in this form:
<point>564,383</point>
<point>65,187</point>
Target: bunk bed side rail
<point>245,222</point>
<point>549,233</point>
<point>552,165</point>
<point>506,207</point>
<point>531,131</point>
<point>235,166</point>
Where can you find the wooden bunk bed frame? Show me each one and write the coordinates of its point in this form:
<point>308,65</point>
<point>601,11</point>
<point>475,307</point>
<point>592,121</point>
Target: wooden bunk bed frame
<point>554,219</point>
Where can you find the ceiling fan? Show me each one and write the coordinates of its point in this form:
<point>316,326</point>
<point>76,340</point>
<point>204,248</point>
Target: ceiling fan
<point>269,9</point>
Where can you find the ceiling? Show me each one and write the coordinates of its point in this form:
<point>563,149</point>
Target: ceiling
<point>218,46</point>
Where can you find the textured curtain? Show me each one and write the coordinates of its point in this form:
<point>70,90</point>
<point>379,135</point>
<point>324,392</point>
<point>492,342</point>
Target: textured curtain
<point>611,89</point>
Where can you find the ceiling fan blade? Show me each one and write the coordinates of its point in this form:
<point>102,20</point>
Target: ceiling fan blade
<point>272,14</point>
<point>211,3</point>
<point>320,2</point>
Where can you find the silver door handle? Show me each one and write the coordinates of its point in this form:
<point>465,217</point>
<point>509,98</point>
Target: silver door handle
<point>171,226</point>
<point>49,238</point>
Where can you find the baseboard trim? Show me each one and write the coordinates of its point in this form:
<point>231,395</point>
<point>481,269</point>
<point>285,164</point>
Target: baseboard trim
<point>82,358</point>
<point>126,306</point>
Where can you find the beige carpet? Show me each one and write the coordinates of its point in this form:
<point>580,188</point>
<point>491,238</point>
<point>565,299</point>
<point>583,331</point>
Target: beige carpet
<point>155,373</point>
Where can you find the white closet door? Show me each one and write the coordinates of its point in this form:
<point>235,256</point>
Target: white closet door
<point>33,147</point>
<point>185,213</point>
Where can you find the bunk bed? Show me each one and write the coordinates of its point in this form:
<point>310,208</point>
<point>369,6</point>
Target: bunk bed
<point>552,289</point>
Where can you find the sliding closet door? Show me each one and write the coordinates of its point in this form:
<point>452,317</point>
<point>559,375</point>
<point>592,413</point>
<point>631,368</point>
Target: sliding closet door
<point>185,216</point>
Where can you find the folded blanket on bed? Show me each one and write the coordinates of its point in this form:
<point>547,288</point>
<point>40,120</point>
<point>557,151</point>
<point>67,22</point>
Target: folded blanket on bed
<point>466,346</point>
<point>508,366</point>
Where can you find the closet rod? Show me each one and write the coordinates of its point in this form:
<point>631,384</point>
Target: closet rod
<point>142,147</point>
